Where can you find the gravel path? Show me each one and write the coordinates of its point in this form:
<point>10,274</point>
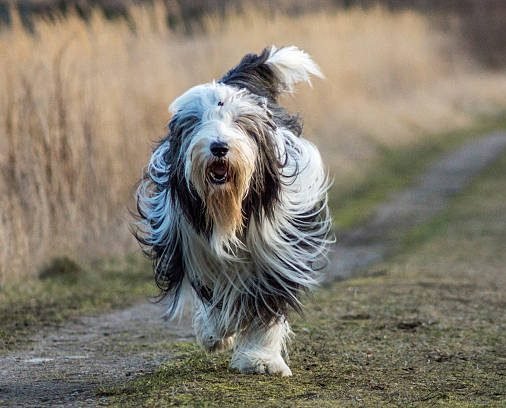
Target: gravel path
<point>65,367</point>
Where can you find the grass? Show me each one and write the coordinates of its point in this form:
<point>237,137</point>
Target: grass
<point>77,128</point>
<point>65,290</point>
<point>427,330</point>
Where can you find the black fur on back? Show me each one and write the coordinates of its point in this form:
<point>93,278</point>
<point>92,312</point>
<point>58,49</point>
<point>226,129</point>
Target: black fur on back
<point>253,74</point>
<point>262,79</point>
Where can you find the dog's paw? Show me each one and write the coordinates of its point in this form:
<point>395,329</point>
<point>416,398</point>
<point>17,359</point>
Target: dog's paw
<point>215,344</point>
<point>274,365</point>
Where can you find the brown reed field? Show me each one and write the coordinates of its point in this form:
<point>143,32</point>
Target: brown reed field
<point>82,102</point>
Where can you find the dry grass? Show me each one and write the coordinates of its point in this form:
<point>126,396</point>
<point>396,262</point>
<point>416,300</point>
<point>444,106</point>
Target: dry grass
<point>80,104</point>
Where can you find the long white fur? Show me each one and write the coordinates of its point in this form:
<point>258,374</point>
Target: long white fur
<point>294,64</point>
<point>227,264</point>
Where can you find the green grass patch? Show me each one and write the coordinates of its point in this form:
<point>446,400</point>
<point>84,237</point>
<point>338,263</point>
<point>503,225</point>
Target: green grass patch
<point>65,290</point>
<point>396,169</point>
<point>424,232</point>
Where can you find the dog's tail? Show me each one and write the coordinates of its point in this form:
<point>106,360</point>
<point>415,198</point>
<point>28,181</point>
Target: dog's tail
<point>273,71</point>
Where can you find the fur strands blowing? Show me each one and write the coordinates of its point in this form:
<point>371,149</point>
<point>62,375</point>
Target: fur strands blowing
<point>233,209</point>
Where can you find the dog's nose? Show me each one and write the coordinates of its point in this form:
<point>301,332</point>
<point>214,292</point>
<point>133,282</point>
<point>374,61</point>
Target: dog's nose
<point>219,149</point>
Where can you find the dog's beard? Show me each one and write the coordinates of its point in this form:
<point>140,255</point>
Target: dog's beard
<point>222,184</point>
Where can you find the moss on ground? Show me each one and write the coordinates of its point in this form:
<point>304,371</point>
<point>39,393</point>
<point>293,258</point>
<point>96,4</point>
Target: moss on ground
<point>423,329</point>
<point>66,290</point>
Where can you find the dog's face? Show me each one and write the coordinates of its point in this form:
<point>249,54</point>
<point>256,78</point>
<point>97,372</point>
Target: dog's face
<point>224,141</point>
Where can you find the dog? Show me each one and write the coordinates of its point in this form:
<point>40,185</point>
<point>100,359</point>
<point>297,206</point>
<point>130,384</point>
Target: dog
<point>233,209</point>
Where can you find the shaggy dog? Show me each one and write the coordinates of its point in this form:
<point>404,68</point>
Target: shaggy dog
<point>233,209</point>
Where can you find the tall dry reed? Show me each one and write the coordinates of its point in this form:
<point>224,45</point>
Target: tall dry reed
<point>80,104</point>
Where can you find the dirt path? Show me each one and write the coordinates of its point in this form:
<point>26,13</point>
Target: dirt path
<point>413,206</point>
<point>65,367</point>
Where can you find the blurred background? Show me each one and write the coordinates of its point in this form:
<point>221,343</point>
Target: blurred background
<point>85,85</point>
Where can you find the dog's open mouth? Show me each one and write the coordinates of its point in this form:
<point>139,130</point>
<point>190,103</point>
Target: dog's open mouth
<point>218,172</point>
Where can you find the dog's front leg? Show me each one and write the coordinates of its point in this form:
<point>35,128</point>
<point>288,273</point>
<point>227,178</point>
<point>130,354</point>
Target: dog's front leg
<point>260,347</point>
<point>207,331</point>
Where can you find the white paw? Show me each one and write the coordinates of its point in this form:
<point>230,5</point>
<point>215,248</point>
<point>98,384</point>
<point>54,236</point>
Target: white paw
<point>248,364</point>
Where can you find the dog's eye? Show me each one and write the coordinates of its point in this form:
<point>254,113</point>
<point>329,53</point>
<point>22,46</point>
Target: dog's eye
<point>220,103</point>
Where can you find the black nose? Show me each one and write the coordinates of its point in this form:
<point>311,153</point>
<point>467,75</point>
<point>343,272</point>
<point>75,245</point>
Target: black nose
<point>219,149</point>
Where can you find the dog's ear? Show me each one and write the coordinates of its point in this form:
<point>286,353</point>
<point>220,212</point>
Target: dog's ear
<point>273,71</point>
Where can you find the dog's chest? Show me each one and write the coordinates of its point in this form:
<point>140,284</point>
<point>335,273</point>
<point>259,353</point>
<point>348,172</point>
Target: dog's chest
<point>209,270</point>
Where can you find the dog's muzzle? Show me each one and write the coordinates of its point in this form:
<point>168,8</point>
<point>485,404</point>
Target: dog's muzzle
<point>218,170</point>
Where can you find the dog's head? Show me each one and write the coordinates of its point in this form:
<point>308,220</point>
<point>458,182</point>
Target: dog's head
<point>222,156</point>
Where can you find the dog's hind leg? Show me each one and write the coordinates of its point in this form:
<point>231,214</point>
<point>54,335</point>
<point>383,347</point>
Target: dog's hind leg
<point>207,332</point>
<point>260,348</point>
